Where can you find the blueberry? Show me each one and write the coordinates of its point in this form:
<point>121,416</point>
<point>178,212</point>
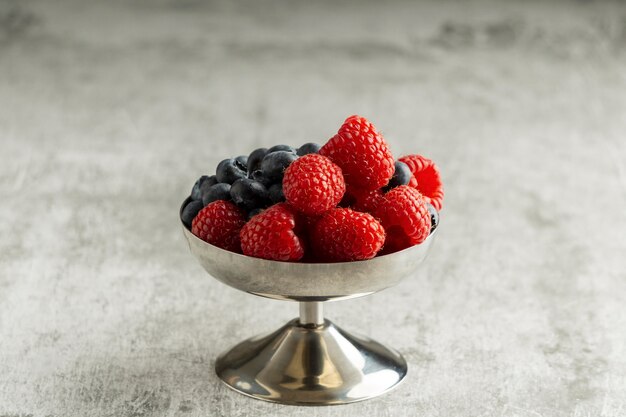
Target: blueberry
<point>254,213</point>
<point>278,148</point>
<point>229,171</point>
<point>242,162</point>
<point>259,176</point>
<point>249,194</point>
<point>401,176</point>
<point>434,217</point>
<point>275,163</point>
<point>190,211</point>
<point>203,183</point>
<point>276,193</point>
<point>219,191</point>
<point>308,148</point>
<point>255,158</point>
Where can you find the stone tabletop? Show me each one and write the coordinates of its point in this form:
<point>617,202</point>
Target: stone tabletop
<point>109,111</point>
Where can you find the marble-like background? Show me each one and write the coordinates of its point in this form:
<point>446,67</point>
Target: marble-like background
<point>110,110</point>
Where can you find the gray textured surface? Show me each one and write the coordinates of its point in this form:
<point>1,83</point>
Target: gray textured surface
<point>109,111</point>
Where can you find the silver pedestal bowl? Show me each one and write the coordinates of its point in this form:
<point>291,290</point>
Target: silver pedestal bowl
<point>310,360</point>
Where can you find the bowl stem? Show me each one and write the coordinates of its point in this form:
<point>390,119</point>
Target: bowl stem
<point>311,313</point>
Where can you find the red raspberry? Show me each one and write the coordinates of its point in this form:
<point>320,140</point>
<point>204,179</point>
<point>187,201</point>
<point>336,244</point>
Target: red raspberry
<point>362,153</point>
<point>365,201</point>
<point>428,178</point>
<point>272,235</point>
<point>404,214</point>
<point>343,234</point>
<point>313,184</point>
<point>219,224</point>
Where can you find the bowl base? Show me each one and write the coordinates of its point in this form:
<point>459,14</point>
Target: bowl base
<point>311,365</point>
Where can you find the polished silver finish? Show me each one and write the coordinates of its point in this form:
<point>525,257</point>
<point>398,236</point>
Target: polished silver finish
<point>305,281</point>
<point>318,365</point>
<point>309,361</point>
<point>311,312</point>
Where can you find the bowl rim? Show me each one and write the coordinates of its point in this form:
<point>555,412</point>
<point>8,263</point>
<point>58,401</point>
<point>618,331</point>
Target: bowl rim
<point>242,256</point>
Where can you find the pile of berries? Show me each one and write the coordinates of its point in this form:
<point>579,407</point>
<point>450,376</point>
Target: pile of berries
<point>345,201</point>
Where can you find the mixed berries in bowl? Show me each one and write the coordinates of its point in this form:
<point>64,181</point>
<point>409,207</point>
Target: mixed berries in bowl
<point>347,200</point>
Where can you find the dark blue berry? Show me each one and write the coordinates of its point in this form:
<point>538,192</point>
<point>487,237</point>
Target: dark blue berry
<point>276,193</point>
<point>255,158</point>
<point>278,148</point>
<point>249,194</point>
<point>219,191</point>
<point>401,176</point>
<point>254,212</point>
<point>190,211</point>
<point>242,162</point>
<point>275,163</point>
<point>260,177</point>
<point>308,148</point>
<point>203,184</point>
<point>229,171</point>
<point>434,217</point>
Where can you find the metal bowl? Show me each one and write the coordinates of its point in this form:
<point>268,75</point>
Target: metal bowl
<point>307,281</point>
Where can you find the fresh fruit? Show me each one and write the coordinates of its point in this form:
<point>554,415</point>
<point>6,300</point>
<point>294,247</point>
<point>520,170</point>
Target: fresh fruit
<point>395,241</point>
<point>255,158</point>
<point>259,176</point>
<point>274,164</point>
<point>219,224</point>
<point>434,217</point>
<point>401,176</point>
<point>345,197</point>
<point>365,201</point>
<point>276,193</point>
<point>242,162</point>
<point>428,178</point>
<point>308,148</point>
<point>343,234</point>
<point>272,234</point>
<point>249,194</point>
<point>190,211</point>
<point>285,148</point>
<point>219,191</point>
<point>313,184</point>
<point>254,212</point>
<point>229,170</point>
<point>362,153</point>
<point>404,214</point>
<point>202,184</point>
